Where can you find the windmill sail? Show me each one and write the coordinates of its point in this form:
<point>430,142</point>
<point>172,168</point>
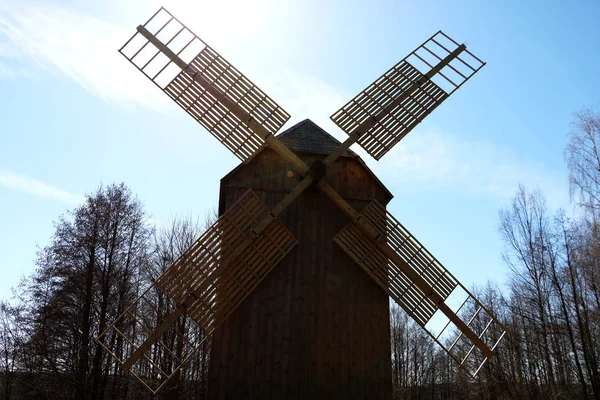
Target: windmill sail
<point>459,344</point>
<point>204,84</point>
<point>389,108</point>
<point>203,287</point>
<point>213,277</point>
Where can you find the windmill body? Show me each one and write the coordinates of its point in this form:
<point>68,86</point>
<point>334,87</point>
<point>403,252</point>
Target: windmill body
<point>317,326</point>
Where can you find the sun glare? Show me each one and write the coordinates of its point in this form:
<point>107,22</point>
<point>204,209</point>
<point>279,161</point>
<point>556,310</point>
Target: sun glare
<point>221,23</point>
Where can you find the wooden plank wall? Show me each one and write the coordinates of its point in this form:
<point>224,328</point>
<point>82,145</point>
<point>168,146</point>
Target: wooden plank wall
<point>317,327</point>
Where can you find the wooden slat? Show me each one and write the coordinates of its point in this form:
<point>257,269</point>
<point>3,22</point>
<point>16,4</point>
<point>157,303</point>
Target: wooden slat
<point>138,322</point>
<point>399,287</point>
<point>246,273</point>
<point>409,249</point>
<point>196,266</point>
<point>239,89</point>
<point>214,116</point>
<point>462,350</point>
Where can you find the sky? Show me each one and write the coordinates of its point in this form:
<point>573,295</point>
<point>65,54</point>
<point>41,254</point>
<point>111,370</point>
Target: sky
<point>74,113</point>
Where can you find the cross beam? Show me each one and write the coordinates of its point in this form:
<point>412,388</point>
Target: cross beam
<point>301,167</point>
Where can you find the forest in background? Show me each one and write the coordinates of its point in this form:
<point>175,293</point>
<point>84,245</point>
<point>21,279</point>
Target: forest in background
<point>103,252</point>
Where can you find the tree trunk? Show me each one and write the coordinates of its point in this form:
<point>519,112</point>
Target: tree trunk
<point>83,364</point>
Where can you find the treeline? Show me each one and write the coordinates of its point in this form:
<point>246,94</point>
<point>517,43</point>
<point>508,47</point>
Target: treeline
<point>550,307</point>
<point>99,260</point>
<point>105,252</point>
<point>550,310</point>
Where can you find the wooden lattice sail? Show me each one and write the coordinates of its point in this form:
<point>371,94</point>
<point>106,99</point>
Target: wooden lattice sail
<point>203,83</point>
<point>470,354</point>
<point>396,102</point>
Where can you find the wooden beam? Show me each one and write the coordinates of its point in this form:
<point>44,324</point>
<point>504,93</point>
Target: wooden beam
<point>166,324</point>
<point>370,122</point>
<point>342,148</point>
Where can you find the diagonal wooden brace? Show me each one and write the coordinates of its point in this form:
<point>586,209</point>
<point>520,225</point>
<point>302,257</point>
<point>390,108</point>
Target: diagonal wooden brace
<point>260,130</point>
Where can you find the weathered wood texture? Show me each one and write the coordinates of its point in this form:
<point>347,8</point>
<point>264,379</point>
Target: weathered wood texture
<point>318,326</point>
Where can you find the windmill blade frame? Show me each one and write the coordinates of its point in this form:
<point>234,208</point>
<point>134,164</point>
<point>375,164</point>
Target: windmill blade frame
<point>470,351</point>
<point>379,241</point>
<point>395,103</point>
<point>204,84</point>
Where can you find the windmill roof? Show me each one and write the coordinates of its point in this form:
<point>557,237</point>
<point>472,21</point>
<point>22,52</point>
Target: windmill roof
<point>308,137</point>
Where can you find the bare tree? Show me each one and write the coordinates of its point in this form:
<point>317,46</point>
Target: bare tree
<point>582,277</point>
<point>12,336</point>
<point>524,227</point>
<point>103,255</point>
<point>583,159</point>
<point>561,277</point>
<point>169,243</point>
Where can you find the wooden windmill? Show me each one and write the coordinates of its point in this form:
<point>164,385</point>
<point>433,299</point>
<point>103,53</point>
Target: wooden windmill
<point>293,279</point>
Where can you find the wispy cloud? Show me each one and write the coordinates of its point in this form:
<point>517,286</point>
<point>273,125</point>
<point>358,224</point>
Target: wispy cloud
<point>430,159</point>
<point>80,46</point>
<point>8,71</point>
<point>22,183</point>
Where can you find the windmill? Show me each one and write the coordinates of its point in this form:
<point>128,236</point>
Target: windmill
<point>209,285</point>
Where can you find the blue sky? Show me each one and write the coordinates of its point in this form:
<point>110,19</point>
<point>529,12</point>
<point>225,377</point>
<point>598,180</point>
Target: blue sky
<point>74,113</point>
